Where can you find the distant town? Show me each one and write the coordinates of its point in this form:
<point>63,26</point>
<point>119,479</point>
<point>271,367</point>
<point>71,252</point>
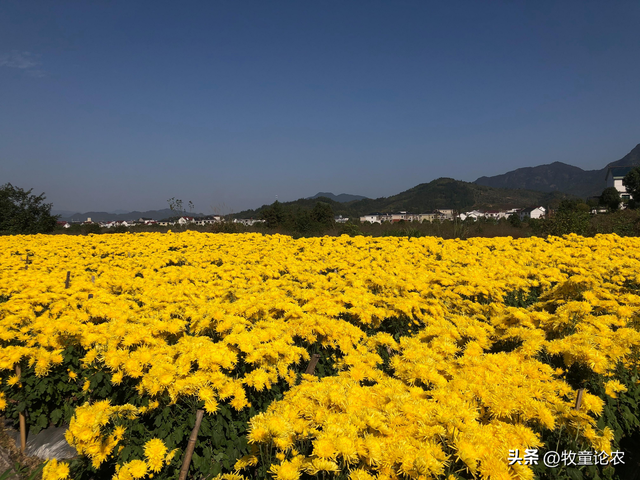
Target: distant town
<point>614,178</point>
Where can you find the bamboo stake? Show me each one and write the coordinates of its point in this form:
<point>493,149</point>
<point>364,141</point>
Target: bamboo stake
<point>23,422</point>
<point>312,364</point>
<point>191,445</point>
<point>579,399</point>
<point>93,280</point>
<point>67,282</point>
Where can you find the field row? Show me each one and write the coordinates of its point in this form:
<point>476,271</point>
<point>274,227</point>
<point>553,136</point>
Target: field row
<point>438,357</point>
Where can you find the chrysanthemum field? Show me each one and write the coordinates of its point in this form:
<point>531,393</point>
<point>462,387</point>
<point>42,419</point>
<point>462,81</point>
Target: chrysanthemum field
<point>438,358</point>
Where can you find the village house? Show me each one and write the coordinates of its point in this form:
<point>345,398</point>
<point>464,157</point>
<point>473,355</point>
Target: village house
<point>495,214</point>
<point>428,217</point>
<point>532,212</point>
<point>445,213</point>
<point>473,215</point>
<point>614,178</point>
<point>371,218</point>
<point>248,221</point>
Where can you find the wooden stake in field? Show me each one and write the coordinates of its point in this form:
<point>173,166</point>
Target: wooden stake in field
<point>191,445</point>
<point>312,364</point>
<point>23,422</point>
<point>67,282</point>
<point>579,399</point>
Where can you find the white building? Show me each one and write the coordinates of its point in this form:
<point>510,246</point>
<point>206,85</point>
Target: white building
<point>247,221</point>
<point>372,218</point>
<point>473,214</point>
<point>532,212</point>
<point>445,213</point>
<point>614,178</point>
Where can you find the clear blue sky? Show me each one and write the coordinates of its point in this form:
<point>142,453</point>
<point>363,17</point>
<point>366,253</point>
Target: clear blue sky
<point>109,105</point>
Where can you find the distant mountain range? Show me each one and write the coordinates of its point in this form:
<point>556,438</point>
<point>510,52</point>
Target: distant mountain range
<point>543,185</point>
<point>426,197</point>
<point>110,217</point>
<point>560,177</point>
<point>342,198</point>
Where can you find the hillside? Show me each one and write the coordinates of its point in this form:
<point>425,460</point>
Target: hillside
<point>342,198</point>
<point>135,215</point>
<point>560,177</point>
<point>426,197</point>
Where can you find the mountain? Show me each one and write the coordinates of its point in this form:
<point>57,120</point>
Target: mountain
<point>462,196</point>
<point>342,198</point>
<point>63,213</point>
<point>135,215</point>
<point>426,197</point>
<point>560,177</point>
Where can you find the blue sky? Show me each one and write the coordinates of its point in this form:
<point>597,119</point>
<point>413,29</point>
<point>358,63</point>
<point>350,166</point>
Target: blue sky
<point>108,105</point>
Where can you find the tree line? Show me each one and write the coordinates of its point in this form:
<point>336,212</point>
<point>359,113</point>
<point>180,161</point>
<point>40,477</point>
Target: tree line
<point>22,212</point>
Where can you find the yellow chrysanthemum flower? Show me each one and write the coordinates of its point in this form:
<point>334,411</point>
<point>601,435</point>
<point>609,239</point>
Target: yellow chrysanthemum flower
<point>54,470</point>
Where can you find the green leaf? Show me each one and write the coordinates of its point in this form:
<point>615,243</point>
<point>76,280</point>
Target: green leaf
<point>574,474</point>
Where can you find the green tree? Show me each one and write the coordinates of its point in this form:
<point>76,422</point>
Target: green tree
<point>631,182</point>
<point>572,216</point>
<point>610,198</point>
<point>323,214</point>
<point>273,215</point>
<point>23,213</point>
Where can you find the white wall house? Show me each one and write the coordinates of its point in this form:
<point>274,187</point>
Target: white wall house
<point>427,217</point>
<point>445,213</point>
<point>532,212</point>
<point>248,221</point>
<point>371,218</point>
<point>473,214</point>
<point>614,179</point>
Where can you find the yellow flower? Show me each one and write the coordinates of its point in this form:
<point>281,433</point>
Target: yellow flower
<point>155,451</point>
<point>612,387</point>
<point>137,468</point>
<point>286,471</point>
<point>55,471</point>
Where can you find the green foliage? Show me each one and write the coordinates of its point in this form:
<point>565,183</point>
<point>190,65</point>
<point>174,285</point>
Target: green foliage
<point>403,232</point>
<point>610,198</point>
<point>322,213</point>
<point>23,213</point>
<point>572,216</point>
<point>631,181</point>
<point>226,226</point>
<point>350,229</point>
<point>273,215</point>
<point>299,220</point>
<point>51,399</point>
<point>87,228</point>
